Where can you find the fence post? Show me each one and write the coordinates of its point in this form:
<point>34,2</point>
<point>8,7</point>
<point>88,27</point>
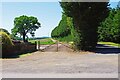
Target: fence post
<point>57,45</point>
<point>38,45</point>
<point>35,45</point>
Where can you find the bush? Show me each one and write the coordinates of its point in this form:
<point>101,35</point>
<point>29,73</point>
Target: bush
<point>4,30</point>
<point>14,48</point>
<point>5,43</point>
<point>5,40</point>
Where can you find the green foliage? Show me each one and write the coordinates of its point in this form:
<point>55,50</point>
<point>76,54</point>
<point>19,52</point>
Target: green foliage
<point>24,25</point>
<point>64,31</point>
<point>109,30</point>
<point>5,40</point>
<point>86,19</point>
<point>15,37</point>
<point>4,30</point>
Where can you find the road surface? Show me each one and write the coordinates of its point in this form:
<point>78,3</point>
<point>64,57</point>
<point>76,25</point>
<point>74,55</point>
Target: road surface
<point>65,63</point>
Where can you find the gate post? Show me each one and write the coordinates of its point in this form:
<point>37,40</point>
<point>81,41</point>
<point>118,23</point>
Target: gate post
<point>38,45</point>
<point>35,45</point>
<point>57,45</point>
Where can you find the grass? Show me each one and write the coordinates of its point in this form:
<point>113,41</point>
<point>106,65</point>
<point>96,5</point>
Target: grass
<point>66,38</point>
<point>46,41</point>
<point>23,55</point>
<point>110,44</point>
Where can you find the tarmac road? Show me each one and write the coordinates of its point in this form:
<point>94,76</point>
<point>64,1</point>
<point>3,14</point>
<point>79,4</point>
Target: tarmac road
<point>62,64</point>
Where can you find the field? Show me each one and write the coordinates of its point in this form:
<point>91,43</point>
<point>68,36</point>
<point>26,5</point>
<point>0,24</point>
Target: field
<point>46,41</point>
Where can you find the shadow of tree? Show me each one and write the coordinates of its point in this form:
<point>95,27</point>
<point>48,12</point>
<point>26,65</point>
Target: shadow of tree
<point>17,55</point>
<point>105,49</point>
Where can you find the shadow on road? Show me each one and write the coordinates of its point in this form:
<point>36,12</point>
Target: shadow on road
<point>105,49</point>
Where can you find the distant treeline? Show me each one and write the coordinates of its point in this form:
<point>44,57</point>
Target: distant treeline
<point>36,38</point>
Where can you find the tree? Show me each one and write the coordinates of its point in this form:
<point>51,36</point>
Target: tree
<point>119,4</point>
<point>63,31</point>
<point>86,18</point>
<point>24,25</point>
<point>109,29</point>
<point>4,30</point>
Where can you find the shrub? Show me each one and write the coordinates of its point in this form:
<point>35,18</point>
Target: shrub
<point>4,30</point>
<point>5,40</point>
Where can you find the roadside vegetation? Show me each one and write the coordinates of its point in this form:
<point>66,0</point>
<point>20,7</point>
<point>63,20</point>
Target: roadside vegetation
<point>24,55</point>
<point>63,32</point>
<point>83,25</point>
<point>110,44</point>
<point>109,30</point>
<point>5,40</point>
<point>81,22</point>
<point>11,44</point>
<point>83,36</point>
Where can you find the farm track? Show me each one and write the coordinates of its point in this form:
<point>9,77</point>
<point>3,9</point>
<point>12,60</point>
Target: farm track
<point>60,47</point>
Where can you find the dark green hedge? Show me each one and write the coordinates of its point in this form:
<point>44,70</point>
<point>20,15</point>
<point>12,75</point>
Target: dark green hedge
<point>63,29</point>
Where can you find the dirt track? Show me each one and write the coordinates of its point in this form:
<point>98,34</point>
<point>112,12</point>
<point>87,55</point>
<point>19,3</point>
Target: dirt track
<point>58,48</point>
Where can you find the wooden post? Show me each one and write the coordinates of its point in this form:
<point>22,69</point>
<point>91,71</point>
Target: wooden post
<point>38,45</point>
<point>57,41</point>
<point>35,45</point>
<point>57,45</point>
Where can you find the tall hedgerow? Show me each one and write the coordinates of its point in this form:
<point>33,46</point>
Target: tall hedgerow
<point>63,30</point>
<point>86,19</point>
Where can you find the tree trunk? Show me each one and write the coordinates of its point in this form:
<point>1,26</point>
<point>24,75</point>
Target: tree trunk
<point>24,38</point>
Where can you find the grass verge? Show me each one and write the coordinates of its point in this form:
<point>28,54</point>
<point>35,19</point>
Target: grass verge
<point>23,55</point>
<point>110,44</point>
